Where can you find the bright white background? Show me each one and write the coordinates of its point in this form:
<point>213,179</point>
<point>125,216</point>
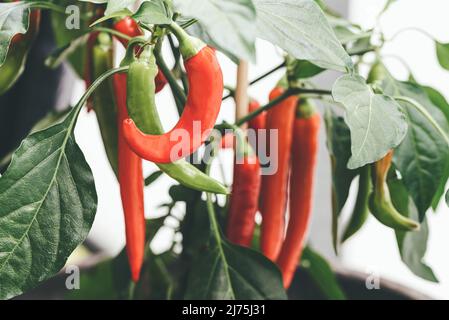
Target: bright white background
<point>374,248</point>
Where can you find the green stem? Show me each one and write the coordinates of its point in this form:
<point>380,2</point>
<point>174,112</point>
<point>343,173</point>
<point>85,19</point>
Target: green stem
<point>188,46</point>
<point>95,85</point>
<point>426,114</point>
<point>261,77</point>
<point>215,228</point>
<point>289,92</point>
<point>178,92</point>
<point>46,5</point>
<point>401,60</point>
<point>113,32</point>
<point>424,32</point>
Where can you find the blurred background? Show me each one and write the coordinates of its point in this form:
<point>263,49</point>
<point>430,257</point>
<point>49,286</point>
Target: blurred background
<point>373,249</point>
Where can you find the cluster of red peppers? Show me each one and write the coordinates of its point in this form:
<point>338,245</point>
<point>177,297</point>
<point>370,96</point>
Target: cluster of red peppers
<point>129,102</point>
<point>297,124</point>
<point>131,128</point>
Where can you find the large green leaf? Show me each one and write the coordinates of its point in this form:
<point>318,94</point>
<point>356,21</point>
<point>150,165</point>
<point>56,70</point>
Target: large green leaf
<point>322,274</point>
<point>442,50</point>
<point>339,146</point>
<point>47,206</point>
<point>230,24</point>
<point>376,121</point>
<point>227,271</point>
<point>412,245</point>
<point>153,12</point>
<point>300,28</point>
<point>423,155</point>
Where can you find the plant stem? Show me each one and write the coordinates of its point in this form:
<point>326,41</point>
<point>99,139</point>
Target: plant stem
<point>424,32</point>
<point>426,114</point>
<point>113,32</point>
<point>241,91</point>
<point>178,92</point>
<point>261,77</point>
<point>289,92</point>
<point>215,229</point>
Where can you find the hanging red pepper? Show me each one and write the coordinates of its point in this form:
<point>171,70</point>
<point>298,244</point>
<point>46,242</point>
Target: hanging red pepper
<point>274,187</point>
<point>131,186</point>
<point>88,66</point>
<point>258,122</point>
<point>200,112</point>
<point>129,27</point>
<point>303,164</point>
<point>245,195</point>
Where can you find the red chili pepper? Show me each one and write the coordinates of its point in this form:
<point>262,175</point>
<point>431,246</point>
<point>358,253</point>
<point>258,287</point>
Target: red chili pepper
<point>88,66</point>
<point>304,158</point>
<point>129,27</point>
<point>131,186</point>
<point>260,121</point>
<point>200,112</point>
<point>244,200</point>
<point>274,187</point>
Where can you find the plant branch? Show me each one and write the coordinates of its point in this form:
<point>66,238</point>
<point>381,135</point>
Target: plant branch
<point>424,32</point>
<point>113,32</point>
<point>426,114</point>
<point>289,92</point>
<point>261,77</point>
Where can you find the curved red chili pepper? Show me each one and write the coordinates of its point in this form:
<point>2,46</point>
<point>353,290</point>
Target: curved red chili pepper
<point>131,186</point>
<point>199,116</point>
<point>129,27</point>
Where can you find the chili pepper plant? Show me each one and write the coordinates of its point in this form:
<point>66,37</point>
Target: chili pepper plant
<point>387,137</point>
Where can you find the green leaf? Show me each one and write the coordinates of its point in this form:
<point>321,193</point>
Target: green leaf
<point>117,5</point>
<point>47,206</point>
<point>200,31</point>
<point>14,19</point>
<point>116,14</point>
<point>412,245</point>
<point>305,69</point>
<point>226,271</point>
<point>438,100</point>
<point>360,45</point>
<point>376,121</point>
<point>443,54</point>
<point>230,23</point>
<point>153,12</point>
<point>152,177</point>
<point>322,274</point>
<point>339,146</point>
<point>423,155</point>
<point>300,28</point>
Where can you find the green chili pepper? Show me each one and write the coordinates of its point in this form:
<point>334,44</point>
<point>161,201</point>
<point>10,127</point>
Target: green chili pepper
<point>103,99</point>
<point>142,109</point>
<point>380,203</point>
<point>360,212</point>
